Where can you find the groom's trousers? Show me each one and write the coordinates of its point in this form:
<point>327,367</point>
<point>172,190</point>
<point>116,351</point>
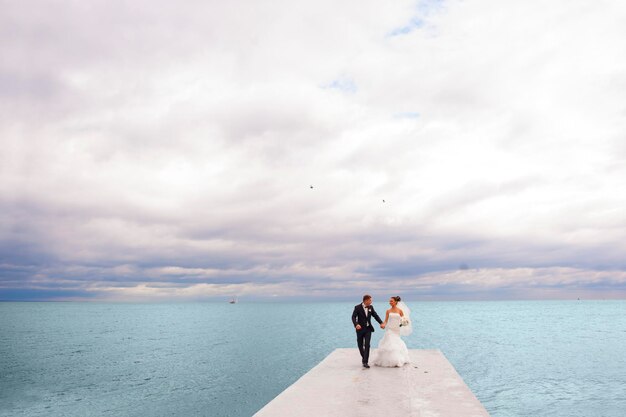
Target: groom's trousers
<point>363,338</point>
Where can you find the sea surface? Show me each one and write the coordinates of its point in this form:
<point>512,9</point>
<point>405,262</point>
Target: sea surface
<point>520,358</point>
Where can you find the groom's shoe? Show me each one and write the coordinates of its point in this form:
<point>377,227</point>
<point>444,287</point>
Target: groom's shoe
<point>365,365</point>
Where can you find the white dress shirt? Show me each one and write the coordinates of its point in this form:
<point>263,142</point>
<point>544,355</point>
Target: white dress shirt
<point>366,310</point>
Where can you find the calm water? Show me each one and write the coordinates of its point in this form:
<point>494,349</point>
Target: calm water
<point>523,358</point>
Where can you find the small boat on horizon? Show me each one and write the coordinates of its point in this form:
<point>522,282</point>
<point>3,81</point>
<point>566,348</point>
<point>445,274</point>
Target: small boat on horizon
<point>233,300</point>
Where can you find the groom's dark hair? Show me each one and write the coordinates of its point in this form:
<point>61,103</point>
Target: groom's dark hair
<point>366,297</point>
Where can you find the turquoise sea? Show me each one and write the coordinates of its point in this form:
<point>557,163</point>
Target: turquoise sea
<point>520,358</point>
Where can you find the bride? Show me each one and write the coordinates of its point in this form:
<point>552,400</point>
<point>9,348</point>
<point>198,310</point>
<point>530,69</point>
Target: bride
<point>391,350</point>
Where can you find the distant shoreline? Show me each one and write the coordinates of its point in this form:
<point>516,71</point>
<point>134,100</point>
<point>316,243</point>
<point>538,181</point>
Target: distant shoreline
<point>303,301</point>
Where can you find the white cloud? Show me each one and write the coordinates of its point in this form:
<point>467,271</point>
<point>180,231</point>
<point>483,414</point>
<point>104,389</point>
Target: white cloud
<point>184,139</point>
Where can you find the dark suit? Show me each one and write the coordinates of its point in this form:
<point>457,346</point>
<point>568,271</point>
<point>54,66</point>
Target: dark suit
<point>364,335</point>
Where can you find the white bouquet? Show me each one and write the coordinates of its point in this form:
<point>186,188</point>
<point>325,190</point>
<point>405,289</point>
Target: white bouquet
<point>404,321</point>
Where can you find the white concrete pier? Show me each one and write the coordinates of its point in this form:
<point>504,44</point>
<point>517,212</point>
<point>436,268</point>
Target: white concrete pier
<point>339,386</point>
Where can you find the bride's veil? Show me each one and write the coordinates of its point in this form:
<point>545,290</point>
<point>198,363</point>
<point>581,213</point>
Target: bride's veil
<point>406,330</point>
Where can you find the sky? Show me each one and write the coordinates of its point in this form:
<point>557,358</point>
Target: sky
<point>299,150</point>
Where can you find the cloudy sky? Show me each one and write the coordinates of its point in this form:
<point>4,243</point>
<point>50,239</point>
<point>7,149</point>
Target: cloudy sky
<point>163,150</point>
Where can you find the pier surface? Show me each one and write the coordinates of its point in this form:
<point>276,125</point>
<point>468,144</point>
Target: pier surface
<point>339,386</point>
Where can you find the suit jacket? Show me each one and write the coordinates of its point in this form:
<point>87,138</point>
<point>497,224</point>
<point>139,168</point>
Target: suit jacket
<point>358,317</point>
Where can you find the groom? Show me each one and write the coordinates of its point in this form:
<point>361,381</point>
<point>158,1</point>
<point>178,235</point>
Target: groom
<point>361,318</point>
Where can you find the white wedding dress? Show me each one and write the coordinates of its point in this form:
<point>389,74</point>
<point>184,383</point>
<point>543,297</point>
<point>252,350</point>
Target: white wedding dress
<point>392,350</point>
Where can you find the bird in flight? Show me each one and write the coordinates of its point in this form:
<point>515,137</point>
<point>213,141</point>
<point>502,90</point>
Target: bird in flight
<point>311,187</point>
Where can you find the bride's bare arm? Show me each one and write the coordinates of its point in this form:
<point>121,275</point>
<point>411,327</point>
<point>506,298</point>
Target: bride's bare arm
<point>401,312</point>
<point>386,318</point>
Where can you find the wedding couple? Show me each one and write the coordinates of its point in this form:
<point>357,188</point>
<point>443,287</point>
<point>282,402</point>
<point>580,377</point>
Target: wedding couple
<point>391,350</point>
